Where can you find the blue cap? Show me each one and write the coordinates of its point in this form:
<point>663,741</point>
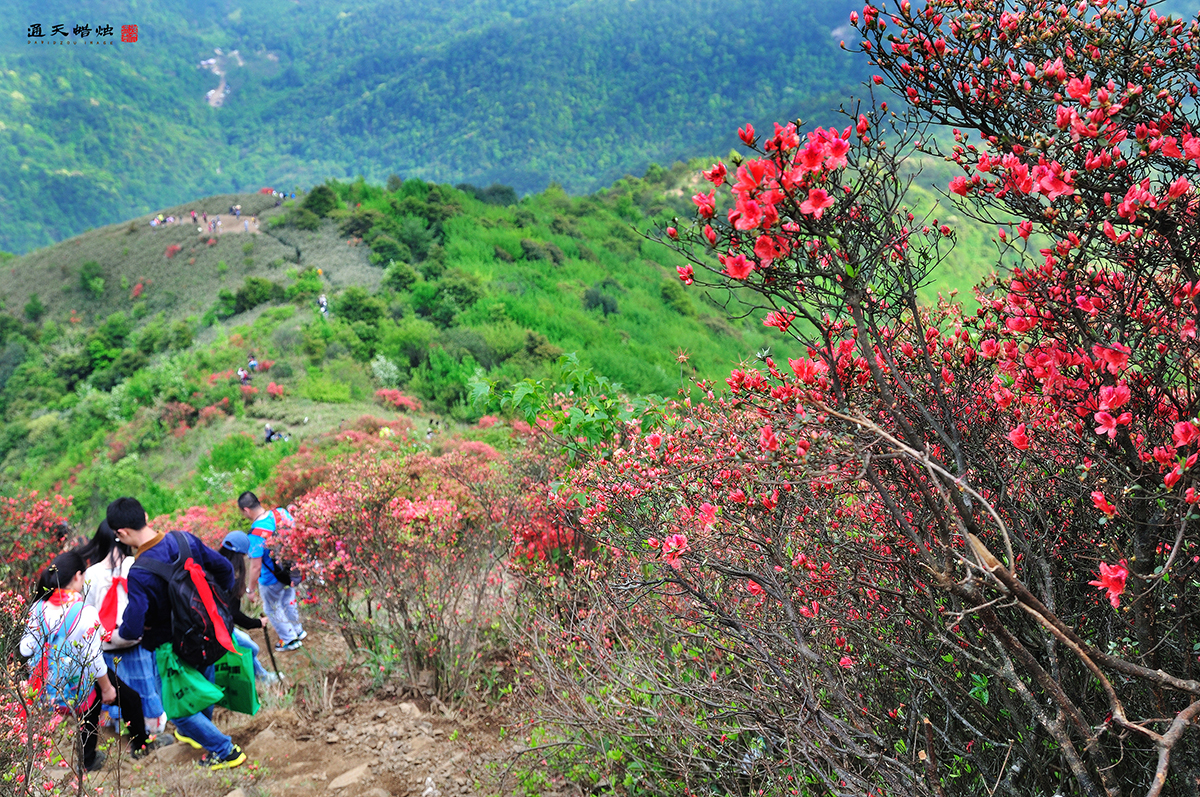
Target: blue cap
<point>236,541</point>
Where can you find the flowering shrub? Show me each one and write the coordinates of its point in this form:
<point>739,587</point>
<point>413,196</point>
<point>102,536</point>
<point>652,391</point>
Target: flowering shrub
<point>176,413</point>
<point>27,742</point>
<point>379,531</point>
<point>209,523</point>
<point>265,365</point>
<point>173,250</point>
<point>405,554</point>
<point>33,528</point>
<point>214,412</point>
<point>274,390</point>
<point>394,398</point>
<point>248,393</point>
<point>935,536</point>
<point>298,474</point>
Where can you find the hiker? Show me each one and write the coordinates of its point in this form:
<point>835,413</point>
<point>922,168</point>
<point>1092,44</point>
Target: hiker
<point>269,433</point>
<point>246,225</point>
<point>105,588</point>
<point>252,363</point>
<point>205,216</point>
<point>63,637</point>
<point>193,217</point>
<point>234,548</point>
<point>243,375</point>
<point>148,615</point>
<point>278,595</point>
<point>323,303</point>
<point>237,211</point>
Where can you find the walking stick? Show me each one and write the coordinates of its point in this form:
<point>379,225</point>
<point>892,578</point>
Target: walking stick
<point>271,651</point>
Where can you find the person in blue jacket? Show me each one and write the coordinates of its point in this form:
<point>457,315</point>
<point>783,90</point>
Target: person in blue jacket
<point>147,618</point>
<point>278,600</point>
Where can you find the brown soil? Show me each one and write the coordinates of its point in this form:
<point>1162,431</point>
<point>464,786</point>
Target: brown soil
<point>325,735</point>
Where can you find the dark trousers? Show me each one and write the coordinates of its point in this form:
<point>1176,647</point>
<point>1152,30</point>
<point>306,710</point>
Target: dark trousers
<point>130,703</point>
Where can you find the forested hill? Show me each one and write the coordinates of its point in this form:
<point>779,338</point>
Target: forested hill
<point>118,347</point>
<point>525,92</point>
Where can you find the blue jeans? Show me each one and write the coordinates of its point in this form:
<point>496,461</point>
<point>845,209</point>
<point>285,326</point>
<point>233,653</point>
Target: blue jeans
<point>200,727</point>
<point>279,602</point>
<point>242,639</point>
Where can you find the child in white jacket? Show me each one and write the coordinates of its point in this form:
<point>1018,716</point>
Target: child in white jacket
<point>105,589</point>
<point>63,639</point>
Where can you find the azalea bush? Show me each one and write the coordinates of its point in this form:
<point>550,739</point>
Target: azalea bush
<point>949,549</point>
<point>35,527</point>
<point>397,400</point>
<point>404,553</point>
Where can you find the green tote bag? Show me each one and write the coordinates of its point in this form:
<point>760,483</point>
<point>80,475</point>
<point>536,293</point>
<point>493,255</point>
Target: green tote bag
<point>235,675</point>
<point>185,691</point>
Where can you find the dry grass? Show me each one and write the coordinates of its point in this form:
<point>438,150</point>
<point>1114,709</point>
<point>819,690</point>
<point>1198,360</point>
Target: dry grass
<point>179,287</point>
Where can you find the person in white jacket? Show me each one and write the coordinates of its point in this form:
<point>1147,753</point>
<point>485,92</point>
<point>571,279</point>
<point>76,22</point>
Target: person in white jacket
<point>105,588</point>
<point>63,640</point>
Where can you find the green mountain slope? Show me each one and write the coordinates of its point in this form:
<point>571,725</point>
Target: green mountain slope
<point>522,91</point>
<point>119,377</point>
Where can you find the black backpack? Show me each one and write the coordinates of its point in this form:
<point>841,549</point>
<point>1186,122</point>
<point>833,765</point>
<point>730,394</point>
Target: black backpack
<point>283,568</point>
<point>201,620</point>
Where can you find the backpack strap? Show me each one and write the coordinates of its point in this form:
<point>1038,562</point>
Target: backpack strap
<point>181,544</point>
<point>65,625</point>
<point>42,625</point>
<point>165,570</point>
<point>160,569</point>
<point>69,621</point>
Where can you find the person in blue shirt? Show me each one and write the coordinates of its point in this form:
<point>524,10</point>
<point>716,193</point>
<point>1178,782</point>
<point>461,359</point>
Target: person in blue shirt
<point>278,600</point>
<point>147,618</point>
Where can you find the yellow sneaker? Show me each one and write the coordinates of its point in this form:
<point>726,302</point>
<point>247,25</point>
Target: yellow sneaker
<point>235,759</point>
<point>179,737</point>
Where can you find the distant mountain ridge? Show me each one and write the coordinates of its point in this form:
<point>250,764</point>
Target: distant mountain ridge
<point>524,92</point>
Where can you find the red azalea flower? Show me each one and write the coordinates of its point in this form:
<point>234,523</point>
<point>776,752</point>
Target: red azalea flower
<point>1112,579</point>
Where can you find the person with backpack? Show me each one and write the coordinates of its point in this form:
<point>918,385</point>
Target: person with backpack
<point>275,578</point>
<point>62,640</point>
<point>105,588</point>
<point>234,547</point>
<point>178,597</point>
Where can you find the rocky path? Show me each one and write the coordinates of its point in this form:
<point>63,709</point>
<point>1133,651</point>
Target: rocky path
<point>325,736</point>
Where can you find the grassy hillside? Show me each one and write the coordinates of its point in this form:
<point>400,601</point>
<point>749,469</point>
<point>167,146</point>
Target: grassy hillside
<point>108,387</point>
<point>522,91</point>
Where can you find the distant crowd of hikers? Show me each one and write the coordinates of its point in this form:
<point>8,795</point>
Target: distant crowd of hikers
<point>201,220</point>
<point>140,627</point>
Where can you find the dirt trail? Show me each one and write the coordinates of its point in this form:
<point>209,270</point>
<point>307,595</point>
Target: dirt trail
<point>324,736</point>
